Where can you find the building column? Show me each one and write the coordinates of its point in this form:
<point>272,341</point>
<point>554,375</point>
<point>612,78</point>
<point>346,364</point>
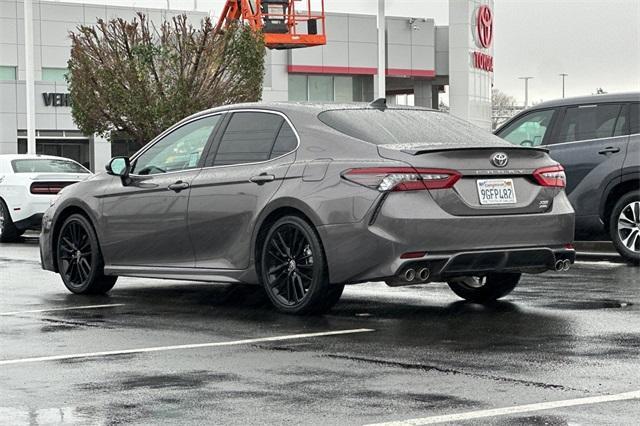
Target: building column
<point>469,83</point>
<point>422,94</point>
<point>101,152</point>
<point>435,96</point>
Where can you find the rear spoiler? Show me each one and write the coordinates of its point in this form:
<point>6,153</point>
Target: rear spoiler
<point>417,150</point>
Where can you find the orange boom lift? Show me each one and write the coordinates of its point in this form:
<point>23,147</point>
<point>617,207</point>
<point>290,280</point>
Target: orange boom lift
<point>279,21</point>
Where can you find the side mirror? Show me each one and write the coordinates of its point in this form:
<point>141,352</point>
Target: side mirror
<point>119,166</point>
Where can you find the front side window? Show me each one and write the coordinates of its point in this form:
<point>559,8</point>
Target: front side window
<point>47,165</point>
<point>179,150</point>
<point>250,138</point>
<point>588,122</point>
<point>528,130</point>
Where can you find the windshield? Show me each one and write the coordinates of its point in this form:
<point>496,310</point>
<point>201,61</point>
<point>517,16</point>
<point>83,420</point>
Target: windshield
<point>405,127</point>
<point>47,165</point>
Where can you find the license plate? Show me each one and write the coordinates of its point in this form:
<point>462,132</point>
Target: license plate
<point>496,191</point>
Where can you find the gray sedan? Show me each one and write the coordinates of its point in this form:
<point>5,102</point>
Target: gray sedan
<point>305,198</point>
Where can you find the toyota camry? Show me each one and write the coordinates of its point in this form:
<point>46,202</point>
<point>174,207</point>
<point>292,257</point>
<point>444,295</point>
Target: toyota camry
<point>305,198</point>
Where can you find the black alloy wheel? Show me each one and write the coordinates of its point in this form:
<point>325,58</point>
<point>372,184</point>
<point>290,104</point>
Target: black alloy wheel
<point>79,260</point>
<point>293,268</point>
<point>8,231</point>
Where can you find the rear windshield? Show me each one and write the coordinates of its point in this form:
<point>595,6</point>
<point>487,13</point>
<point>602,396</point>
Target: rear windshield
<point>47,165</point>
<point>405,127</point>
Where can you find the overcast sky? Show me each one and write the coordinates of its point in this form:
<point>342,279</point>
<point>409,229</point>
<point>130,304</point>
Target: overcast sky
<point>597,42</point>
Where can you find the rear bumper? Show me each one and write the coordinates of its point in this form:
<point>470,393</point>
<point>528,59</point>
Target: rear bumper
<point>440,267</point>
<point>408,222</point>
<point>32,222</point>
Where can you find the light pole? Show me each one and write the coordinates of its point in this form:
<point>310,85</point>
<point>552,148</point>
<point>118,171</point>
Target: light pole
<point>526,89</point>
<point>382,66</point>
<point>563,75</point>
<point>29,77</point>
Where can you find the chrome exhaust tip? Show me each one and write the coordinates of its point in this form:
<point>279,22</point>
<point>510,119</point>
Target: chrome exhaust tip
<point>559,265</point>
<point>566,264</point>
<point>409,274</point>
<point>424,274</point>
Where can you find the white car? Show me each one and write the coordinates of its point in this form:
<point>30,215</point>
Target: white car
<point>28,184</point>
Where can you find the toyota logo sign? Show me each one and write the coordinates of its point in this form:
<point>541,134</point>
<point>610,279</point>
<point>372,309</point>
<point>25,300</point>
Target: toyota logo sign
<point>484,26</point>
<point>499,159</point>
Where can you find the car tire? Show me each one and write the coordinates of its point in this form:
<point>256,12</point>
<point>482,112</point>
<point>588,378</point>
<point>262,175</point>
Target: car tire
<point>293,268</point>
<point>79,259</point>
<point>485,289</point>
<point>8,231</point>
<point>624,226</point>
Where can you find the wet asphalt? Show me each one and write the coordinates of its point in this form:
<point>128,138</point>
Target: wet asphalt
<point>558,336</point>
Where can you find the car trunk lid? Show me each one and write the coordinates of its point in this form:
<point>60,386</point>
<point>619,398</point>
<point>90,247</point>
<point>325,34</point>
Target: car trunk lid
<point>484,188</point>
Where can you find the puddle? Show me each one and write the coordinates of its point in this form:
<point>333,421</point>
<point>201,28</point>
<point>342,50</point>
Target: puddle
<point>589,304</point>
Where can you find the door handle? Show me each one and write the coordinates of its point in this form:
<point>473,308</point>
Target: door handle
<point>609,150</point>
<point>262,178</point>
<point>178,186</point>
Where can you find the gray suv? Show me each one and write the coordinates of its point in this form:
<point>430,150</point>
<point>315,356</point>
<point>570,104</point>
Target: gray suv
<point>597,140</point>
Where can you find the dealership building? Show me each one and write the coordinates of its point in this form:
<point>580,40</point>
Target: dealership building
<point>421,59</point>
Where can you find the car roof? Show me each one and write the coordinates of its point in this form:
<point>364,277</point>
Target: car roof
<point>314,108</point>
<point>11,157</point>
<point>608,97</point>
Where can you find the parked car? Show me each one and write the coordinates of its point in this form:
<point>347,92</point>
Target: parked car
<point>305,198</point>
<point>28,183</point>
<point>597,140</point>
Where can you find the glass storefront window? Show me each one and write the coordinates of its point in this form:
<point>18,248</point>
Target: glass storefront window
<point>75,149</point>
<point>343,88</point>
<point>328,88</point>
<point>298,87</point>
<point>7,73</point>
<point>320,88</point>
<point>54,74</point>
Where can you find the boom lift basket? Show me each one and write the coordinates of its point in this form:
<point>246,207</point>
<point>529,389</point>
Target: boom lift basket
<point>282,25</point>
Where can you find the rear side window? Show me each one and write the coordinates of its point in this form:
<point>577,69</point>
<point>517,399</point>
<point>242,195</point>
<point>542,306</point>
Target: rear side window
<point>406,126</point>
<point>589,122</point>
<point>46,165</point>
<point>285,142</point>
<point>634,118</point>
<point>252,137</point>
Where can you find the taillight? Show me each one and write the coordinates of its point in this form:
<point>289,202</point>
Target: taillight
<point>551,176</point>
<point>402,178</point>
<point>48,188</point>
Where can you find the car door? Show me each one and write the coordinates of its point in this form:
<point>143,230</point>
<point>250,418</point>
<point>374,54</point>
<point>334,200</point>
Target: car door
<point>145,221</point>
<point>590,141</point>
<point>245,167</point>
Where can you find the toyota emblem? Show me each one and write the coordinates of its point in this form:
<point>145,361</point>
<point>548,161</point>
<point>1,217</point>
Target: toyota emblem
<point>484,26</point>
<point>499,159</point>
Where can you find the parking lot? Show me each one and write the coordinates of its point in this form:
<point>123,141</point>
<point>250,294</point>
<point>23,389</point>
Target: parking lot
<point>174,352</point>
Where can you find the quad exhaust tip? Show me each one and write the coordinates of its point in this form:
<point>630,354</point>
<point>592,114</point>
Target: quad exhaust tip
<point>410,274</point>
<point>563,265</point>
<point>424,274</point>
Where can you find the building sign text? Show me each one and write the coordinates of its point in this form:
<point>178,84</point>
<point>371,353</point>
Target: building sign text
<point>56,99</point>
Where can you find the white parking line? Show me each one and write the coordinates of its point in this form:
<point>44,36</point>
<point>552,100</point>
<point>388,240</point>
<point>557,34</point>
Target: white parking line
<point>177,347</point>
<point>514,410</point>
<point>70,308</point>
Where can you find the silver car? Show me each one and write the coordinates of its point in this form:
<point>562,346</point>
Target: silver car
<point>305,198</point>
